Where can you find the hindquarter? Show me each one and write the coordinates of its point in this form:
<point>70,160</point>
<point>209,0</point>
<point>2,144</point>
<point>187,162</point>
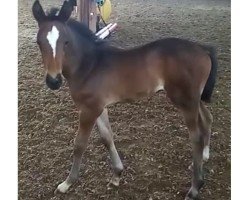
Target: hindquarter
<point>185,76</point>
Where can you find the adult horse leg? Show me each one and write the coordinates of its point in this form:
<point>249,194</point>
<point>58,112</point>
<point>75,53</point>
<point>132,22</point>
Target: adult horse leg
<point>86,123</point>
<point>206,125</point>
<point>191,116</point>
<point>107,138</point>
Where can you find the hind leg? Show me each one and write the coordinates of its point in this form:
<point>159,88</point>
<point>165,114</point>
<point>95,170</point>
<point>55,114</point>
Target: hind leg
<point>205,124</point>
<point>107,137</point>
<point>206,120</point>
<point>191,116</point>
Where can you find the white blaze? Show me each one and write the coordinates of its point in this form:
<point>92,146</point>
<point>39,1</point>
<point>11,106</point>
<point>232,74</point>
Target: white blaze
<point>52,37</point>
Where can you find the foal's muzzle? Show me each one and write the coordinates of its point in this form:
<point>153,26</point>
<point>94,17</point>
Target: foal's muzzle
<point>54,83</point>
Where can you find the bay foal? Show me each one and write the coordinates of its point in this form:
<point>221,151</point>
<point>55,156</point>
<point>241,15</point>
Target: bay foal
<point>99,74</point>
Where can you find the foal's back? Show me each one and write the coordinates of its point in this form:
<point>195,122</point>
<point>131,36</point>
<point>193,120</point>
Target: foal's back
<point>173,64</point>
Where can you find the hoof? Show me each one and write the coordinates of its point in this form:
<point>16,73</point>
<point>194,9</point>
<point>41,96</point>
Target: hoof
<point>62,188</point>
<point>190,167</point>
<point>192,194</point>
<point>190,198</point>
<point>115,181</point>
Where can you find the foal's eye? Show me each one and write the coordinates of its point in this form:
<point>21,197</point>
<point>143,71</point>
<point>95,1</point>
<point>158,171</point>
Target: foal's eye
<point>66,43</point>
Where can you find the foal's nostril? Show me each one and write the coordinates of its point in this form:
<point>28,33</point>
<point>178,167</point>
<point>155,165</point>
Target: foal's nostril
<point>59,78</point>
<point>54,83</point>
<point>51,80</point>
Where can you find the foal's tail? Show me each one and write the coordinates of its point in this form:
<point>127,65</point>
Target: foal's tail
<point>208,90</point>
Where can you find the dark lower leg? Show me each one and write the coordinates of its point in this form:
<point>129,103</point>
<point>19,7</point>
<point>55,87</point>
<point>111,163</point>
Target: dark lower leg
<point>79,147</point>
<point>107,138</point>
<point>205,123</point>
<point>197,180</point>
<point>191,116</point>
<point>75,168</point>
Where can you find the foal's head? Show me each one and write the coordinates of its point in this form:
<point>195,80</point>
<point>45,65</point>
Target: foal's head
<point>53,40</point>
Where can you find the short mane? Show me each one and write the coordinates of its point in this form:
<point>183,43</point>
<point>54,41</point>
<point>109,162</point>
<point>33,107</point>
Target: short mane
<point>79,27</point>
<point>83,30</point>
<point>52,13</point>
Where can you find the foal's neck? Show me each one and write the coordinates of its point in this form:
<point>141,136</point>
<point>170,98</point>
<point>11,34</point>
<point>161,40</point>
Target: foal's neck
<point>80,57</point>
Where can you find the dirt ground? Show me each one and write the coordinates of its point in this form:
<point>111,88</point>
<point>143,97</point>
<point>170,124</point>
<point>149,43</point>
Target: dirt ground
<point>150,133</point>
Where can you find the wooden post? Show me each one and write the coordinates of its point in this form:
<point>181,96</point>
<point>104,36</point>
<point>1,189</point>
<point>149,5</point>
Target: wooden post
<point>93,15</point>
<point>86,10</point>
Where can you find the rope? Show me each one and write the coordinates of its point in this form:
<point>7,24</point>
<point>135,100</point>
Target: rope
<point>101,15</point>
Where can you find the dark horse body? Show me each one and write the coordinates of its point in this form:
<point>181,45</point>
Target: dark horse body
<point>99,75</point>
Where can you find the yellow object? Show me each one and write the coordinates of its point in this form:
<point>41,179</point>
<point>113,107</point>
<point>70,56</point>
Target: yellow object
<point>105,10</point>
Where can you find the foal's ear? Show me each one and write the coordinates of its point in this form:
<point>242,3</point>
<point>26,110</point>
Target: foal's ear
<point>65,11</point>
<point>38,12</point>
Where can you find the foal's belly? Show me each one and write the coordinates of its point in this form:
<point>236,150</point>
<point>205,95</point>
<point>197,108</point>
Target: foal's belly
<point>132,93</point>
